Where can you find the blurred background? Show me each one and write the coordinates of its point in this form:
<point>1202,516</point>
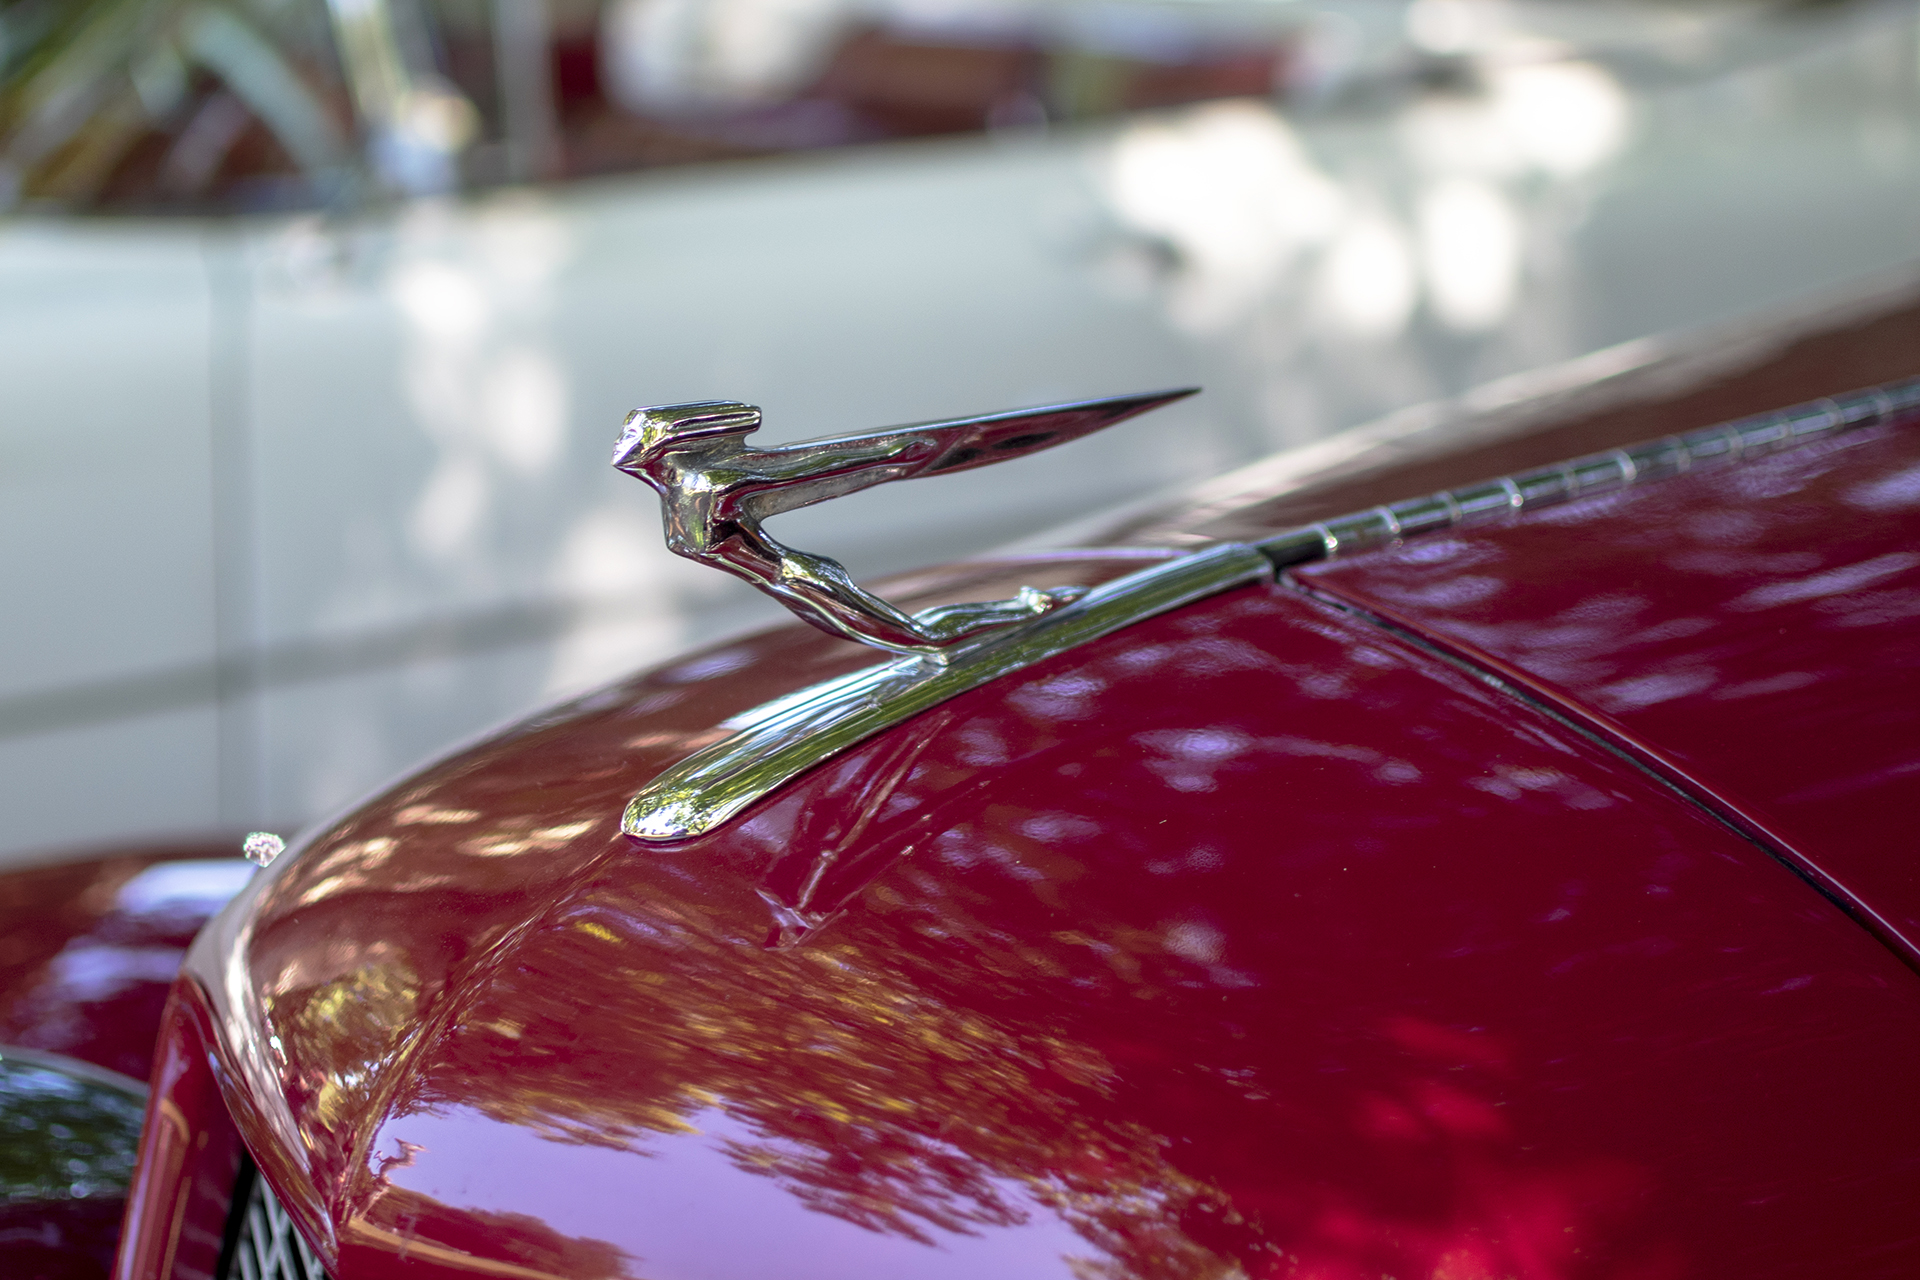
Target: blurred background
<point>318,318</point>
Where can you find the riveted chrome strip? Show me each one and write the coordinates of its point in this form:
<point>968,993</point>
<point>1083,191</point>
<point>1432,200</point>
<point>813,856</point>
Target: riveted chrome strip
<point>1562,482</point>
<point>774,743</point>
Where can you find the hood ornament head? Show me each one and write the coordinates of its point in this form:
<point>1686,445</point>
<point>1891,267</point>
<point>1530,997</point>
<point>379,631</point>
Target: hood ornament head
<point>715,489</point>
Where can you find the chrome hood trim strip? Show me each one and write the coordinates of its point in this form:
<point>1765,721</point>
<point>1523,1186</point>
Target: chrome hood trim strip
<point>1594,474</point>
<point>774,743</point>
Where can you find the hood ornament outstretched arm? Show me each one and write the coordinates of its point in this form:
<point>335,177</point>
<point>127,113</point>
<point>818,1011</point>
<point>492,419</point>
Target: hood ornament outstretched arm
<point>715,490</point>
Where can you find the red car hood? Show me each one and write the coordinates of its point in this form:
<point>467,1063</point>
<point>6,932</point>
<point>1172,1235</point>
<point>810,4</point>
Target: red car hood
<point>1253,940</point>
<point>1754,631</point>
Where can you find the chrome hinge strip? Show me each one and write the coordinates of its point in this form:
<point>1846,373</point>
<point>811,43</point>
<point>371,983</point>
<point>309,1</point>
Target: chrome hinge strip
<point>1597,473</point>
<point>774,743</point>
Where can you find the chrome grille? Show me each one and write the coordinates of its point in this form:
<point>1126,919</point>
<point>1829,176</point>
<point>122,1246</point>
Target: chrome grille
<point>266,1246</point>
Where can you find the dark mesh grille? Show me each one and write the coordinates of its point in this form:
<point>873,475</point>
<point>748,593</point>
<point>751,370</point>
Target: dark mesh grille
<point>265,1246</point>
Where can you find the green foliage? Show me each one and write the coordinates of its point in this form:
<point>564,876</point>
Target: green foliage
<point>63,1137</point>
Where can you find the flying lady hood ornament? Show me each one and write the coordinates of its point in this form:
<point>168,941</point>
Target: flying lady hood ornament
<point>715,489</point>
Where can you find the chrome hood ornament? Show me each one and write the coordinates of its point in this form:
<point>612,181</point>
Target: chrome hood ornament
<point>715,489</point>
<point>770,745</point>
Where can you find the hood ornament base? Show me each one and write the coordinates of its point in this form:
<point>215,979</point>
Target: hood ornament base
<point>774,743</point>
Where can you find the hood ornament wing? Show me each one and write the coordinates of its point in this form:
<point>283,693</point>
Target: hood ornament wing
<point>715,489</point>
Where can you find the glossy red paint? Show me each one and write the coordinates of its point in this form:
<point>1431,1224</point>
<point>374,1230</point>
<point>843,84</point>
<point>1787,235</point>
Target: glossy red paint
<point>88,950</point>
<point>1251,937</point>
<point>89,947</point>
<point>1754,629</point>
<point>58,1241</point>
<point>190,1156</point>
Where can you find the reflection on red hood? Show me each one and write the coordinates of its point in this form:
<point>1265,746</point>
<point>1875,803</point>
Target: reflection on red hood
<point>1251,941</point>
<point>1754,630</point>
